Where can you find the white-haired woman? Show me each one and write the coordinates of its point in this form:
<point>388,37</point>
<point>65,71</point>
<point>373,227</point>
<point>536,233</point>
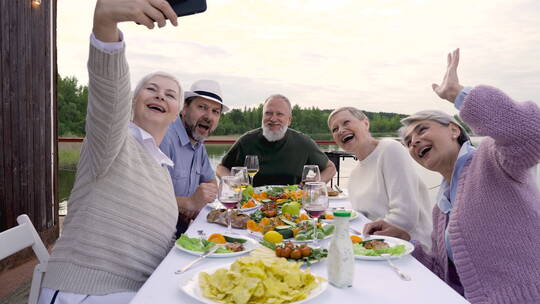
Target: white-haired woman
<point>122,210</point>
<point>486,224</point>
<point>384,184</point>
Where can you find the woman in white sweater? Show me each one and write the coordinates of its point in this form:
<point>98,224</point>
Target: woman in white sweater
<point>384,185</point>
<point>122,209</point>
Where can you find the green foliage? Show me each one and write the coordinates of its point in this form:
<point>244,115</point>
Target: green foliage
<point>72,101</point>
<point>311,120</point>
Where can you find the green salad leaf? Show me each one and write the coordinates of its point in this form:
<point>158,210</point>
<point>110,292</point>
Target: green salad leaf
<point>196,244</point>
<point>394,250</point>
<point>275,191</point>
<point>247,194</point>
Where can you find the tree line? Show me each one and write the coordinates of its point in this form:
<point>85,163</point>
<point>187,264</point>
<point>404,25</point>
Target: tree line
<point>72,101</point>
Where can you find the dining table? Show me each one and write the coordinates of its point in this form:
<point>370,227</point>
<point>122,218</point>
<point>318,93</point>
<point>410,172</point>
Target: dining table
<point>374,280</point>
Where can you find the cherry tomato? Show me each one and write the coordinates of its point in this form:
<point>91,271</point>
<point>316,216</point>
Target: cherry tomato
<point>270,213</point>
<point>278,252</point>
<point>286,252</point>
<point>306,251</point>
<point>296,254</point>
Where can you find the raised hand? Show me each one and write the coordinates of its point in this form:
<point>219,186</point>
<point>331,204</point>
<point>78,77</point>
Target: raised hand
<point>449,87</point>
<point>381,227</point>
<point>109,13</point>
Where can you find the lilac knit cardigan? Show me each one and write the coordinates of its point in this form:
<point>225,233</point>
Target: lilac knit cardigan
<point>494,228</point>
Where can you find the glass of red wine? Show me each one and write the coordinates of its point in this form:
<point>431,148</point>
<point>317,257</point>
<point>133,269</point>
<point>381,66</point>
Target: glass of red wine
<point>315,202</point>
<point>230,193</point>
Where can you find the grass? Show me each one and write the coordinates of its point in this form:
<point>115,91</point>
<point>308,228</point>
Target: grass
<point>68,159</point>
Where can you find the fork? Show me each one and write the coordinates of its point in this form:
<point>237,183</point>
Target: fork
<point>202,236</point>
<point>400,273</point>
<point>201,257</point>
<point>356,231</point>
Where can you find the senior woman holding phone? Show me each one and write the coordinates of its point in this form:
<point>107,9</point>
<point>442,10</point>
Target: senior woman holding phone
<point>486,222</point>
<point>122,210</point>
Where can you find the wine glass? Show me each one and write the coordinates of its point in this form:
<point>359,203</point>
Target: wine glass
<point>310,173</point>
<point>229,195</point>
<point>315,202</point>
<point>252,165</point>
<point>241,174</point>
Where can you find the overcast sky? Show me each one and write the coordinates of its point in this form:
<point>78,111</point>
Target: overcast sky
<point>378,55</point>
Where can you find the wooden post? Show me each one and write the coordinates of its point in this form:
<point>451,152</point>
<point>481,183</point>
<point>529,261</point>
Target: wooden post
<point>28,148</point>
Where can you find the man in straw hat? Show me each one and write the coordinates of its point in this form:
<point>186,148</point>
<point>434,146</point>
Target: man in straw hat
<point>193,178</point>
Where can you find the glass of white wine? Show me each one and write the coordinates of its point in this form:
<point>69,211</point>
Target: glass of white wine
<point>252,165</point>
<point>310,173</point>
<point>241,173</point>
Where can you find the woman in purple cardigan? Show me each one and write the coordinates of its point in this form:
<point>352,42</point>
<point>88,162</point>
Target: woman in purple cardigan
<point>486,223</point>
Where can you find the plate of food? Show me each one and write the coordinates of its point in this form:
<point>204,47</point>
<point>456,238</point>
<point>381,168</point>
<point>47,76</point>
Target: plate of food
<point>276,193</point>
<point>328,217</point>
<point>375,245</point>
<point>249,206</point>
<point>222,284</point>
<point>219,216</point>
<point>337,195</point>
<point>230,246</point>
<point>300,253</point>
<point>301,232</point>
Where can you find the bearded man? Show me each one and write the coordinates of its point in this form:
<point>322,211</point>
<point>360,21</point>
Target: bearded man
<point>282,152</point>
<point>193,178</point>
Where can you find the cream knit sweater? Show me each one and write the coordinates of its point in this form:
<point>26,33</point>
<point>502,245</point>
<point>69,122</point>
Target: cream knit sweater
<point>385,186</point>
<point>122,210</point>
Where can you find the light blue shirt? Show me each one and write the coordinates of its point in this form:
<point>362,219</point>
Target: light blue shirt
<point>447,192</point>
<point>191,163</point>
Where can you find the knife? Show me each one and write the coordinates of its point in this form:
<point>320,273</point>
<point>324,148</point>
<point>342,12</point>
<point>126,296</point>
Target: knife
<point>204,255</point>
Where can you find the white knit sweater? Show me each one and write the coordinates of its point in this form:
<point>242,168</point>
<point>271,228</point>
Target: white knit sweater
<point>385,186</point>
<point>122,210</point>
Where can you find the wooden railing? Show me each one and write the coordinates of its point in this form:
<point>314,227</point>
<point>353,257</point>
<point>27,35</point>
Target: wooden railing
<point>208,141</point>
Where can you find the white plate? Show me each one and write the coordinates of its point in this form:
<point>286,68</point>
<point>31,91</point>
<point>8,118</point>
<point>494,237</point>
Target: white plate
<point>341,196</point>
<point>250,210</point>
<point>215,205</point>
<point>248,246</point>
<point>354,215</point>
<point>392,241</point>
<point>192,288</point>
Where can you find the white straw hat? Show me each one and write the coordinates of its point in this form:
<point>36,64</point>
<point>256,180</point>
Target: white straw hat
<point>207,89</point>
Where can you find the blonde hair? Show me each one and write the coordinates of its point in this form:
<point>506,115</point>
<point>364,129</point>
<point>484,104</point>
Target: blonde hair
<point>354,112</point>
<point>146,78</point>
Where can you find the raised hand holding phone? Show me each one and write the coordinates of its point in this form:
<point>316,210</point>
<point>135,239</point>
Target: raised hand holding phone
<point>187,7</point>
<point>109,13</point>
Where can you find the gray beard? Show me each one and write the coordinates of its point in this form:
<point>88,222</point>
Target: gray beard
<point>193,134</point>
<point>273,135</point>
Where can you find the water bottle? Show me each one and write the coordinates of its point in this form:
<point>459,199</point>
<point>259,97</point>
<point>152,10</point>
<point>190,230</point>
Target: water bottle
<point>340,253</point>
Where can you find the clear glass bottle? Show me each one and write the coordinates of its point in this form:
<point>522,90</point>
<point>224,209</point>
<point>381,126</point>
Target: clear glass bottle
<point>340,254</point>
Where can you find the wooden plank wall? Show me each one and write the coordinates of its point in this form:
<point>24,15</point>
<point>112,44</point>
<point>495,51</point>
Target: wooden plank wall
<point>27,174</point>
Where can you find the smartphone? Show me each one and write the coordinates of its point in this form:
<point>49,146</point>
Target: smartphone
<point>187,7</point>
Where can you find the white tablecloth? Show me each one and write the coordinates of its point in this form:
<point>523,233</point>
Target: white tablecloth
<point>374,281</point>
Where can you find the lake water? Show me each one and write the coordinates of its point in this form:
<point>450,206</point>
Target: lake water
<point>216,153</point>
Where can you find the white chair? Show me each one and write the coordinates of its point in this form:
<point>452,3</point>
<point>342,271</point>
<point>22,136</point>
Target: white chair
<point>19,238</point>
